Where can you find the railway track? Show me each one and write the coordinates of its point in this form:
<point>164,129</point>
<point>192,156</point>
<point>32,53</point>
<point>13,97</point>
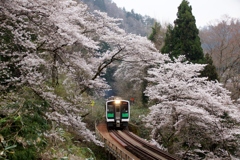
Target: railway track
<point>149,146</point>
<point>139,147</point>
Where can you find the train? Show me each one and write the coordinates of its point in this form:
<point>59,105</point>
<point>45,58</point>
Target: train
<point>117,112</point>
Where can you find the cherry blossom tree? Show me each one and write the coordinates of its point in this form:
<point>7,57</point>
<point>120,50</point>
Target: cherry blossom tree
<point>131,72</point>
<point>191,116</point>
<point>41,31</point>
<point>50,44</point>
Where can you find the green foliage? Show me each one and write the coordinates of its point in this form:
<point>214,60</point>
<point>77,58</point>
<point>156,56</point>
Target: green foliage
<point>100,152</point>
<point>95,113</point>
<point>157,35</point>
<point>136,126</point>
<point>67,146</point>
<point>152,37</point>
<point>23,154</point>
<point>209,70</point>
<point>169,40</point>
<point>22,130</point>
<point>183,39</point>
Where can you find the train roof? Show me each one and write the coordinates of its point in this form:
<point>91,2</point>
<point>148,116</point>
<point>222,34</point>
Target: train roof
<point>114,98</point>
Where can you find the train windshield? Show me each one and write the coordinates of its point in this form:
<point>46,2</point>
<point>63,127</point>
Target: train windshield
<point>124,107</point>
<point>125,111</point>
<point>110,110</point>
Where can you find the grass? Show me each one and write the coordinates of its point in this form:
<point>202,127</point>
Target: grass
<point>136,125</point>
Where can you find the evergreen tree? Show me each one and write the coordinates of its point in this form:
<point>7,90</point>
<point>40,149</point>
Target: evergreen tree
<point>157,35</point>
<point>184,39</point>
<point>156,27</point>
<point>169,40</point>
<point>209,70</point>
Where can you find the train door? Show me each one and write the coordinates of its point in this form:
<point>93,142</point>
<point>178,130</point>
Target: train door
<point>118,113</point>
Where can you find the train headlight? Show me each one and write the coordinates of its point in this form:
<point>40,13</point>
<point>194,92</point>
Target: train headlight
<point>117,102</point>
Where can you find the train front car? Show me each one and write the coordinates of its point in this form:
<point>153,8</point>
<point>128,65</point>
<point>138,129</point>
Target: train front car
<point>117,113</point>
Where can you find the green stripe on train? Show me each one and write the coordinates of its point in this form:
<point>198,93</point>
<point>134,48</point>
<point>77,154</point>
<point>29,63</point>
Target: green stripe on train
<point>125,115</point>
<point>110,115</point>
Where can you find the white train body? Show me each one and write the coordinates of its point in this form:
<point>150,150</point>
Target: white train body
<point>117,113</point>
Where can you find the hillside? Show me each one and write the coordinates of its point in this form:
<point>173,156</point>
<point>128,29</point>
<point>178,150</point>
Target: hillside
<point>131,22</point>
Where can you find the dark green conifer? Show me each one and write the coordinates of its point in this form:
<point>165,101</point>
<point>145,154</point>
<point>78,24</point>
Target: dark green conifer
<point>169,40</point>
<point>209,70</point>
<point>184,39</point>
<point>155,29</point>
<point>157,35</point>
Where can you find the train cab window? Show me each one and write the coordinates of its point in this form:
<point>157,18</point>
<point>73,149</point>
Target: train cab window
<point>125,107</point>
<point>124,110</point>
<point>110,108</point>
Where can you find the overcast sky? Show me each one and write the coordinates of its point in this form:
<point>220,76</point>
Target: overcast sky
<point>204,11</point>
